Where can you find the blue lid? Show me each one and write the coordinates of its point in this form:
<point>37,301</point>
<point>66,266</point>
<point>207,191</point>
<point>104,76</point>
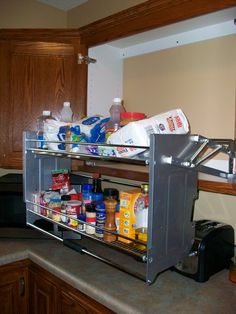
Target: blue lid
<point>81,217</point>
<point>97,197</point>
<point>100,205</point>
<point>87,187</point>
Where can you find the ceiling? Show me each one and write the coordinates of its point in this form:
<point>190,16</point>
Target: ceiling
<point>64,5</point>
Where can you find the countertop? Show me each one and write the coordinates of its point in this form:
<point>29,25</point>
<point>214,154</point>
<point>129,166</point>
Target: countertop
<point>170,293</point>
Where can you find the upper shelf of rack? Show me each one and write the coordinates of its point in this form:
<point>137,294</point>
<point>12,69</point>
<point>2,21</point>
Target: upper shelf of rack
<point>95,162</point>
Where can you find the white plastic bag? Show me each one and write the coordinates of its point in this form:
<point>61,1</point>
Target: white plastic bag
<point>51,131</point>
<point>137,133</point>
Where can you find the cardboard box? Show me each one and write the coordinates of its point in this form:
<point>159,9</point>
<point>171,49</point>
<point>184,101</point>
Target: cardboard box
<point>127,214</point>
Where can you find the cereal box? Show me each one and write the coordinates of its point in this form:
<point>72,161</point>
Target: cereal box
<point>128,200</point>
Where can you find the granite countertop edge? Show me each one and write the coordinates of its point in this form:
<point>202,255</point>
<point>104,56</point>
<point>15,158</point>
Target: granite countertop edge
<point>113,288</point>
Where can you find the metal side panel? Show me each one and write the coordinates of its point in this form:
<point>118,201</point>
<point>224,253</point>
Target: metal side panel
<point>37,168</point>
<point>171,201</point>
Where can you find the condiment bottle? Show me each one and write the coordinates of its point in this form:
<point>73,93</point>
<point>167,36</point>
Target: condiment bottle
<point>142,216</point>
<point>100,219</point>
<point>97,186</point>
<point>110,225</point>
<point>142,208</point>
<point>87,195</point>
<point>90,218</point>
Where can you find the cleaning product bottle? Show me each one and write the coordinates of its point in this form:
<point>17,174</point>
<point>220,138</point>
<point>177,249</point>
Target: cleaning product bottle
<point>66,113</point>
<point>142,205</point>
<point>40,128</point>
<point>114,123</point>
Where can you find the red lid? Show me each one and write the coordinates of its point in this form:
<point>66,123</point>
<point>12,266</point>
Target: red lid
<point>74,197</point>
<point>132,115</point>
<point>96,175</point>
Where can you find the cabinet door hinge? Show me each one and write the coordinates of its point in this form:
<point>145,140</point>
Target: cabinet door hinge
<point>85,59</point>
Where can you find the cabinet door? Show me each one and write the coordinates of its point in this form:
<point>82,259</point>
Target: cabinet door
<point>36,76</point>
<point>13,290</point>
<point>42,295</point>
<point>78,303</point>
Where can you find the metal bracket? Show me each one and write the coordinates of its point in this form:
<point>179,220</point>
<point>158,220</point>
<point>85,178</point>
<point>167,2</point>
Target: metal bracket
<point>85,59</point>
<point>193,156</point>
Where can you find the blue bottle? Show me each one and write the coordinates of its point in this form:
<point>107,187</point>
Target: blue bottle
<point>100,219</point>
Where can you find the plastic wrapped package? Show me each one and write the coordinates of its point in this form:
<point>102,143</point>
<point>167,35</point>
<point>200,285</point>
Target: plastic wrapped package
<point>137,133</point>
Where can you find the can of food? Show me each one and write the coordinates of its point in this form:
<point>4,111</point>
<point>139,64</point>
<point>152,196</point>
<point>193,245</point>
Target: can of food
<point>64,199</point>
<point>73,209</point>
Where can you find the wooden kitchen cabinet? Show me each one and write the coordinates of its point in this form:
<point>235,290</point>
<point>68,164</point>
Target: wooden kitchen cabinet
<point>74,302</point>
<point>14,288</point>
<point>43,294</point>
<point>39,71</point>
<point>51,295</point>
<point>26,288</point>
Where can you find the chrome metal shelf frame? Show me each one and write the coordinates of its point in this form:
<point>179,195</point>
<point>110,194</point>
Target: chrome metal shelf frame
<point>173,162</point>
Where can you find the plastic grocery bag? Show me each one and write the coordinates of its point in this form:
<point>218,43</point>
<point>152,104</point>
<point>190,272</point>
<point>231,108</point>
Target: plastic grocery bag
<point>137,133</point>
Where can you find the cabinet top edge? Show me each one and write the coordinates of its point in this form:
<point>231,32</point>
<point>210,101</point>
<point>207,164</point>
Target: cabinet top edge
<point>147,16</point>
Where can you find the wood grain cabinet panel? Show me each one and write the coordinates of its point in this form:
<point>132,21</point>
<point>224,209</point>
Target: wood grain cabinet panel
<point>43,295</point>
<point>14,288</point>
<point>36,76</point>
<point>49,295</point>
<point>77,303</point>
<point>26,288</point>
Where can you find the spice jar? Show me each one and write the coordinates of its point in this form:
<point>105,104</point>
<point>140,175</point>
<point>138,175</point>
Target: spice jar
<point>90,218</point>
<point>64,200</point>
<point>110,224</point>
<point>73,208</point>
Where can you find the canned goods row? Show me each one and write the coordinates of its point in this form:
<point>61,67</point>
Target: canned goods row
<point>88,215</point>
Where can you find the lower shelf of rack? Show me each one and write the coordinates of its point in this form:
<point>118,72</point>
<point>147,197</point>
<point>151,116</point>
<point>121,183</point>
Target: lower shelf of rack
<point>110,254</point>
<point>62,231</point>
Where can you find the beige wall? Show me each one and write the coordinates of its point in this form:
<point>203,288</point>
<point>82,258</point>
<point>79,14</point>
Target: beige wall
<point>30,14</point>
<point>33,14</point>
<point>96,9</point>
<point>200,78</point>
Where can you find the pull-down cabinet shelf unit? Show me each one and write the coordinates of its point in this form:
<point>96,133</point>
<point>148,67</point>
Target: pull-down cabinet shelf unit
<point>172,182</point>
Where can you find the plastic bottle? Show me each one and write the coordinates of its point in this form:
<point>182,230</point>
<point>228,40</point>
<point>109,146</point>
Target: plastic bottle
<point>90,218</point>
<point>66,113</point>
<point>142,216</point>
<point>97,186</point>
<point>114,123</point>
<point>100,219</point>
<point>87,195</point>
<point>142,207</point>
<point>46,114</point>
